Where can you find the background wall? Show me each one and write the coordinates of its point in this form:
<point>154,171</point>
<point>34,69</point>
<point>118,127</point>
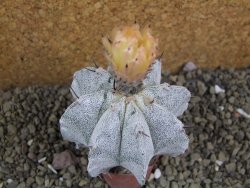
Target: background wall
<point>45,41</point>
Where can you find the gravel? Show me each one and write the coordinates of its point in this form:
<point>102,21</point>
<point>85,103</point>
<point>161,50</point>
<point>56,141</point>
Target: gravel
<point>218,156</point>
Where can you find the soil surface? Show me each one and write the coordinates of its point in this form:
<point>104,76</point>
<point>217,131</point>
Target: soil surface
<point>218,156</point>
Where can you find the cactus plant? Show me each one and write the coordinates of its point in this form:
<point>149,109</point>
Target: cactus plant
<point>124,115</point>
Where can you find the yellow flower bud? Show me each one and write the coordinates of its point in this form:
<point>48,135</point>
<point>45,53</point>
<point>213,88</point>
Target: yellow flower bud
<point>130,52</point>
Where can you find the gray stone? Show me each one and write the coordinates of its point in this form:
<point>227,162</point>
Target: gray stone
<point>9,160</point>
<point>1,132</point>
<point>210,146</point>
<point>195,156</point>
<point>207,181</point>
<point>29,181</point>
<point>194,185</point>
<point>231,100</point>
<point>235,151</point>
<point>83,161</point>
<point>12,185</point>
<point>11,129</point>
<point>168,171</point>
<point>211,90</point>
<point>69,182</point>
<point>6,95</point>
<point>211,117</point>
<point>99,184</point>
<point>205,162</point>
<point>32,128</point>
<point>222,156</point>
<point>201,88</point>
<point>213,157</point>
<point>231,167</point>
<point>83,182</point>
<point>164,182</point>
<point>72,169</point>
<point>174,184</point>
<point>39,180</point>
<point>67,176</point>
<point>21,185</point>
<point>32,156</point>
<point>7,106</point>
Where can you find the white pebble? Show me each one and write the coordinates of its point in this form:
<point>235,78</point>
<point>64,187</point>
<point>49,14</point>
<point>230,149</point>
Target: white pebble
<point>61,178</point>
<point>157,173</point>
<point>30,142</point>
<point>42,159</point>
<point>218,89</point>
<point>52,168</point>
<point>189,66</point>
<point>218,162</point>
<point>243,113</point>
<point>216,168</point>
<point>46,183</point>
<point>221,108</point>
<point>9,180</point>
<point>77,146</point>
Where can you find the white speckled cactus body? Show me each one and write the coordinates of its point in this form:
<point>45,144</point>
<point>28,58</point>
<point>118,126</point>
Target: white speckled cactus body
<point>126,128</point>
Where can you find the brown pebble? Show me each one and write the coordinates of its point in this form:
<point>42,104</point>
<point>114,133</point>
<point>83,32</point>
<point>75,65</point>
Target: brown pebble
<point>32,156</point>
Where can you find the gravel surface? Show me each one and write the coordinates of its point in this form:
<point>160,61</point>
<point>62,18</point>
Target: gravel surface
<point>218,156</point>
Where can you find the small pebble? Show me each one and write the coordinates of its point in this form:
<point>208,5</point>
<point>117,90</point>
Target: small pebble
<point>29,181</point>
<point>9,180</point>
<point>174,185</point>
<point>189,66</point>
<point>164,182</point>
<point>151,177</point>
<point>157,173</point>
<point>12,130</point>
<point>30,142</point>
<point>231,167</point>
<point>46,183</point>
<point>216,168</point>
<point>7,106</point>
<point>218,162</point>
<point>201,88</point>
<point>83,182</point>
<point>221,108</point>
<point>32,156</point>
<point>31,128</point>
<point>21,185</point>
<point>52,168</point>
<point>218,89</point>
<point>243,113</point>
<point>39,180</point>
<point>42,160</point>
<point>1,132</point>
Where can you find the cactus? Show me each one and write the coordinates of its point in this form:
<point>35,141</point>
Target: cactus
<point>123,128</point>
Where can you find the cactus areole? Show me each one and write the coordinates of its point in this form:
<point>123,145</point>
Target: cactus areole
<point>123,114</point>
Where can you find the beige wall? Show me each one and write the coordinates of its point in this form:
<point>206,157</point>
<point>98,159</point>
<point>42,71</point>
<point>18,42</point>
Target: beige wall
<point>45,41</point>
